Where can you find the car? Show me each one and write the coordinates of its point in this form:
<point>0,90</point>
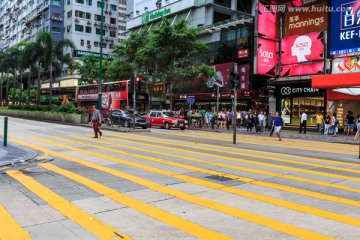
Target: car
<point>125,119</point>
<point>166,119</point>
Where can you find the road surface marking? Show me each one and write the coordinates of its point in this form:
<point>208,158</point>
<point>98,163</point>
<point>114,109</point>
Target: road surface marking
<point>87,221</point>
<point>9,228</point>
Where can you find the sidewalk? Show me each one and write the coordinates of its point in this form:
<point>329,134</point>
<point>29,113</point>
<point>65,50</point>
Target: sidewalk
<point>291,133</point>
<point>13,154</point>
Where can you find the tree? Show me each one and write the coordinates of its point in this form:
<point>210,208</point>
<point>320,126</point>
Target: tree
<point>119,69</point>
<point>29,54</point>
<point>22,64</point>
<point>53,55</point>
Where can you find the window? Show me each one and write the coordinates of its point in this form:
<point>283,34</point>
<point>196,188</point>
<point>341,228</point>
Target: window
<point>98,32</point>
<point>112,20</point>
<point>96,44</point>
<point>88,30</point>
<point>68,28</point>
<point>68,2</point>
<point>88,15</point>
<point>56,30</point>
<point>98,4</point>
<point>69,14</point>
<point>88,2</point>
<point>112,34</point>
<point>98,18</point>
<point>111,46</point>
<point>88,42</point>
<point>112,7</point>
<point>79,1</point>
<point>79,28</point>
<point>80,14</point>
<point>56,2</point>
<point>82,42</point>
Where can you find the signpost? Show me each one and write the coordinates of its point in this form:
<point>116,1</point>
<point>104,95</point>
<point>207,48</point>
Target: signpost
<point>190,100</point>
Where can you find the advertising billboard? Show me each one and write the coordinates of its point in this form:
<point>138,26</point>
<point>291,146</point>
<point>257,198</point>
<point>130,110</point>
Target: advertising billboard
<point>142,6</point>
<point>301,22</point>
<point>345,65</point>
<point>285,109</point>
<point>302,69</point>
<point>345,28</point>
<point>302,48</point>
<point>266,21</point>
<point>267,57</point>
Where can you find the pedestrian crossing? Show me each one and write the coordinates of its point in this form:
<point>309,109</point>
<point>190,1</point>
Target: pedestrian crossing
<point>232,192</point>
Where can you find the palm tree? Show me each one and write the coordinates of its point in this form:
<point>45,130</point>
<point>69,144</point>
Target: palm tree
<point>10,60</point>
<point>29,54</point>
<point>22,63</point>
<point>53,55</point>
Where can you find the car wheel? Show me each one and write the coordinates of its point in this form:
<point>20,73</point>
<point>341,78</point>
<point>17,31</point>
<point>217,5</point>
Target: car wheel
<point>167,126</point>
<point>182,128</point>
<point>126,124</point>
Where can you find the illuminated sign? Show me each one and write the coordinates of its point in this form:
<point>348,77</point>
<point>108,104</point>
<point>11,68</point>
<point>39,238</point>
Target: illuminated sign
<point>267,57</point>
<point>266,21</point>
<point>147,17</point>
<point>345,28</point>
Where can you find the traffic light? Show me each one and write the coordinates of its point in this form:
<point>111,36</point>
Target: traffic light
<point>233,79</point>
<point>131,84</point>
<point>215,91</point>
<point>138,84</point>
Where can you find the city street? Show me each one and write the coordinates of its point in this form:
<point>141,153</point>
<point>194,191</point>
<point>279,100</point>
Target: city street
<point>173,184</point>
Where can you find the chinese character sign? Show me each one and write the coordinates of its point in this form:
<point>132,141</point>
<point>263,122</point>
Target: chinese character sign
<point>345,28</point>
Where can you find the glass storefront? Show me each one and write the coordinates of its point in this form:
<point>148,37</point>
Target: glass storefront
<point>310,105</point>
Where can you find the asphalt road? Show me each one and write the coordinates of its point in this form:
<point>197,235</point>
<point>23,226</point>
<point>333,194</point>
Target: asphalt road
<point>177,185</point>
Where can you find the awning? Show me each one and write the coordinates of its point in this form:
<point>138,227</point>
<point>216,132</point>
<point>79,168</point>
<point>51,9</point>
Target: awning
<point>354,91</point>
<point>333,81</point>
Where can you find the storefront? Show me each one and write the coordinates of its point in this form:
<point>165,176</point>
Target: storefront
<point>294,99</point>
<point>343,93</point>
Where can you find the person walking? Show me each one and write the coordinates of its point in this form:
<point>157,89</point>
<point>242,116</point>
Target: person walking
<point>319,122</point>
<point>278,122</point>
<point>333,123</point>
<point>327,123</point>
<point>96,121</point>
<point>303,122</point>
<point>350,123</point>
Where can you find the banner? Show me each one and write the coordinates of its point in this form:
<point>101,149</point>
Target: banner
<point>267,21</point>
<point>345,27</point>
<point>267,57</point>
<point>302,48</point>
<point>285,110</point>
<point>302,69</point>
<point>345,65</point>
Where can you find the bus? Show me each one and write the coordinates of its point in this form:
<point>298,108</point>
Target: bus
<point>114,96</point>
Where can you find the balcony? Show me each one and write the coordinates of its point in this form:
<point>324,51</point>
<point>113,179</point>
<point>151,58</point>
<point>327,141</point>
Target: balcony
<point>227,24</point>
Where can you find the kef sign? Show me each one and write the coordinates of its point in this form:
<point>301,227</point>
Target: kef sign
<point>345,28</point>
<point>302,48</point>
<point>267,57</point>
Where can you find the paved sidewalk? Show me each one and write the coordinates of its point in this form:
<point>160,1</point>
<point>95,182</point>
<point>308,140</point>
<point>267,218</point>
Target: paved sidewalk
<point>12,154</point>
<point>293,134</point>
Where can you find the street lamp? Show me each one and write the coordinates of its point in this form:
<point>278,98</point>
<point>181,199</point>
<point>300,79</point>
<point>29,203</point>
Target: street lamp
<point>101,55</point>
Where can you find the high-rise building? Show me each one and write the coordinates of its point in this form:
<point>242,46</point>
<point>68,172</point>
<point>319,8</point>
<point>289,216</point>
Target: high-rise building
<point>122,21</point>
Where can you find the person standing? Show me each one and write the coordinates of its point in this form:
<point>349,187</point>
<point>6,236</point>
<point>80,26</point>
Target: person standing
<point>327,123</point>
<point>350,123</point>
<point>261,119</point>
<point>303,122</point>
<point>278,122</point>
<point>333,124</point>
<point>96,121</point>
<point>358,127</point>
<point>319,122</point>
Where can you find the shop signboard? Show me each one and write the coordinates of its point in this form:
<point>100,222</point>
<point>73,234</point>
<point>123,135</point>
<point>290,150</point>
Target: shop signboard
<point>143,6</point>
<point>345,65</point>
<point>345,27</point>
<point>296,90</point>
<point>314,19</point>
<point>267,21</point>
<point>302,48</point>
<point>267,57</point>
<point>302,69</point>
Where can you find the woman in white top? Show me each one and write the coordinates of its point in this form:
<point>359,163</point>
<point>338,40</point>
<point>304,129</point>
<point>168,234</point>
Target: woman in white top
<point>333,125</point>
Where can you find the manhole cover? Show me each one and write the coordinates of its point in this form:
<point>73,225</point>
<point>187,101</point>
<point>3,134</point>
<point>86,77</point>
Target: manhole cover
<point>219,178</point>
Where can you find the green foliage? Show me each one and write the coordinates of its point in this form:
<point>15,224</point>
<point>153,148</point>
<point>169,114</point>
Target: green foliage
<point>64,109</point>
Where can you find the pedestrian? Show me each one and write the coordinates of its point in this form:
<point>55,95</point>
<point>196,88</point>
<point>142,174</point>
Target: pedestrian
<point>248,121</point>
<point>261,119</point>
<point>358,127</point>
<point>229,119</point>
<point>350,123</point>
<point>319,122</point>
<point>303,122</point>
<point>334,123</point>
<point>270,120</point>
<point>327,123</point>
<point>96,121</point>
<point>278,122</point>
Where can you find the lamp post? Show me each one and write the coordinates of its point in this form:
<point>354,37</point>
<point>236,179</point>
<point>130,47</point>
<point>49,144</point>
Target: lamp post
<point>101,54</point>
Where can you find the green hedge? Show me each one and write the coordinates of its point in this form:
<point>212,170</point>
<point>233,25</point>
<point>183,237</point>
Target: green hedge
<point>69,109</point>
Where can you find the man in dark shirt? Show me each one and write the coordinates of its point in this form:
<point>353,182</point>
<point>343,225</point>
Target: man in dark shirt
<point>350,123</point>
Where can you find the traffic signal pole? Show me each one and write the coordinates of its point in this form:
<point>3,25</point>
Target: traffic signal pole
<point>234,109</point>
<point>134,103</point>
<point>217,107</point>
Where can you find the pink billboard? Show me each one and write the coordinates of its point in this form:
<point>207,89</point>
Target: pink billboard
<point>267,21</point>
<point>302,48</point>
<point>267,57</point>
<point>302,69</point>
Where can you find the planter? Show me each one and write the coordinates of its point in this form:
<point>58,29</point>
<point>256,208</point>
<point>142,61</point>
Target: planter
<point>52,117</point>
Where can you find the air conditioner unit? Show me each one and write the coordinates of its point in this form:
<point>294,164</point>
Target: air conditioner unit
<point>97,23</point>
<point>110,12</point>
<point>60,19</point>
<point>89,45</point>
<point>106,25</point>
<point>89,22</point>
<point>76,20</point>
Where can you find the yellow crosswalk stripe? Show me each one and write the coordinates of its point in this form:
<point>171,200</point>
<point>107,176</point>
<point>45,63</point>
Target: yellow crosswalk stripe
<point>154,212</point>
<point>266,141</point>
<point>264,221</point>
<point>87,221</point>
<point>9,228</point>
<point>242,193</point>
<point>244,179</point>
<point>257,156</point>
<point>263,172</point>
<point>237,148</point>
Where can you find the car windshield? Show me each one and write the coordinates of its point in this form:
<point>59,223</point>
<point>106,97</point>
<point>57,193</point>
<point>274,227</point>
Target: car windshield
<point>170,114</point>
<point>127,113</point>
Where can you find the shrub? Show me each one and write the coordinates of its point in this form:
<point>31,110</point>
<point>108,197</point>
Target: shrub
<point>67,109</point>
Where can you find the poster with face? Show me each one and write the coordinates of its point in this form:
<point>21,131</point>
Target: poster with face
<point>285,110</point>
<point>302,48</point>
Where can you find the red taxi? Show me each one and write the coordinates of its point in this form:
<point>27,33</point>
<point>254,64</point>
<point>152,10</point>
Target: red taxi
<point>166,119</point>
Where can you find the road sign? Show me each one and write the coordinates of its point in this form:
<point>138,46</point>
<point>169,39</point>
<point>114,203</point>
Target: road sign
<point>190,100</point>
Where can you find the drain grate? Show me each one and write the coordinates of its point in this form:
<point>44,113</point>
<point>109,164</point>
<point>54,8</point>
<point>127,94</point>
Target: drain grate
<point>219,178</point>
